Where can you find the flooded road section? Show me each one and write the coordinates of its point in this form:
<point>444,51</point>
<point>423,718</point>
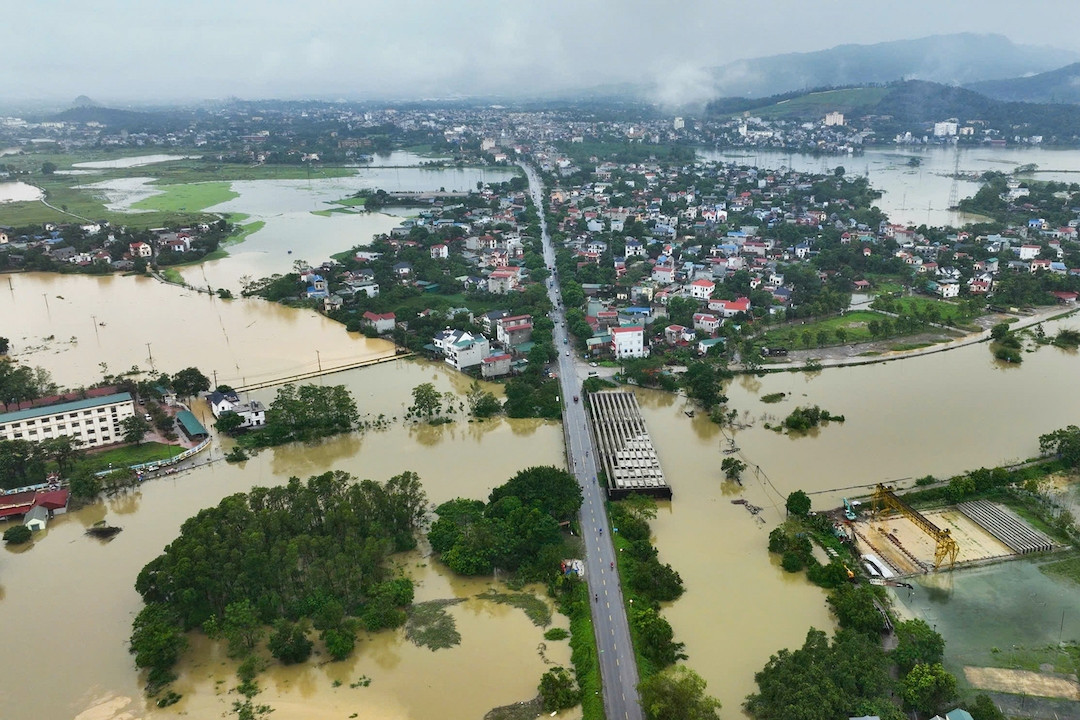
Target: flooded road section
<point>80,593</point>
<point>69,324</point>
<point>940,415</point>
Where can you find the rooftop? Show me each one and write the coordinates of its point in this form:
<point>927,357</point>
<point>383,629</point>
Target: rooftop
<point>64,407</point>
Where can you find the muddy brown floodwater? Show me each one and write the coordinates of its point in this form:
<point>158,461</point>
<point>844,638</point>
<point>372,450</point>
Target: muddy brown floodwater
<point>69,324</point>
<point>77,593</point>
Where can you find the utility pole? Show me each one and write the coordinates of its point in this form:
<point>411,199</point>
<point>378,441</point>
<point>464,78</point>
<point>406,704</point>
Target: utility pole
<point>151,355</point>
<point>318,357</point>
<point>215,379</point>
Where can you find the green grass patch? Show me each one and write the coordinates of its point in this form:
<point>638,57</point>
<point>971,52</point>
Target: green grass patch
<point>1068,568</point>
<point>430,626</point>
<point>323,213</point>
<point>1064,660</point>
<point>854,324</point>
<point>245,230</point>
<point>536,609</point>
<point>132,455</point>
<point>193,197</point>
<point>172,275</point>
<point>773,397</point>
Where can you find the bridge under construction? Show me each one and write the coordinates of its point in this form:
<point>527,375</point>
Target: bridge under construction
<point>626,452</point>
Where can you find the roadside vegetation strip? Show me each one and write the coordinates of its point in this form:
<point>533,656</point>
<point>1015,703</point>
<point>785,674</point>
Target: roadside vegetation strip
<point>1068,567</point>
<point>431,626</point>
<point>854,324</point>
<point>584,656</point>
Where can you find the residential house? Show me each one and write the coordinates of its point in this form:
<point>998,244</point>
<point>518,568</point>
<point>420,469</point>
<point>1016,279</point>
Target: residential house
<point>380,322</point>
<point>402,269</point>
<point>503,280</point>
<point>495,365</point>
<point>468,351</point>
<point>628,342</point>
<point>730,308</point>
<point>253,413</point>
<point>439,252</point>
<point>702,289</point>
<point>1029,252</point>
<point>707,322</point>
<point>515,330</point>
<point>140,250</point>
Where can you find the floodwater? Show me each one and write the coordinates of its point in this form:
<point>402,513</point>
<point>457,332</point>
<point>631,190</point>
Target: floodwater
<point>291,231</point>
<point>940,414</point>
<point>919,195</point>
<point>70,324</point>
<point>19,192</point>
<point>81,590</point>
<point>127,162</point>
<point>121,193</point>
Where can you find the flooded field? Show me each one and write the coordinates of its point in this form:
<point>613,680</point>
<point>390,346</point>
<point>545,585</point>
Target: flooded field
<point>70,324</point>
<point>19,192</point>
<point>904,420</point>
<point>85,587</point>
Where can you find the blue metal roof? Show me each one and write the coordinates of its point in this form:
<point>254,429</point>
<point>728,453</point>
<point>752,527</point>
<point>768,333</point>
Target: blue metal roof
<point>64,407</point>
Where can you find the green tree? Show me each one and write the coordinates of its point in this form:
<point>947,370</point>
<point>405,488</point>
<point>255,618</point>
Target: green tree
<point>134,427</point>
<point>190,382</point>
<point>854,608</point>
<point>558,690</point>
<point>917,643</point>
<point>157,640</point>
<point>5,345</point>
<point>553,490</point>
<point>229,423</point>
<point>64,450</point>
<point>482,404</point>
<point>927,688</point>
<point>655,638</point>
<point>48,168</point>
<point>427,401</point>
<point>999,332</point>
<point>732,468</point>
<point>84,484</point>
<point>677,693</point>
<point>241,627</point>
<point>842,335</point>
<point>289,642</point>
<point>985,709</point>
<point>339,642</point>
<point>798,504</point>
<point>17,534</point>
<point>1064,443</point>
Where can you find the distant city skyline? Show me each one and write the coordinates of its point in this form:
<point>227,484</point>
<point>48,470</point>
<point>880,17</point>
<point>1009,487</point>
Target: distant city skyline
<point>126,51</point>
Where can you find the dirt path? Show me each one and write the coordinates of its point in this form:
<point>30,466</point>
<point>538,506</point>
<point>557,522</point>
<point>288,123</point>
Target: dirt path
<point>1023,682</point>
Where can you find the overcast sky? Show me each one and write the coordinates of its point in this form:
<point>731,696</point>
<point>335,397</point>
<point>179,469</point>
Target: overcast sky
<point>152,50</point>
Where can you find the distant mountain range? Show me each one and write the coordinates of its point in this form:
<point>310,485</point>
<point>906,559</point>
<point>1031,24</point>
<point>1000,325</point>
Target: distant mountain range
<point>1056,86</point>
<point>950,59</point>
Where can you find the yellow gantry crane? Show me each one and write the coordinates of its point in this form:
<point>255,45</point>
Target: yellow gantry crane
<point>946,548</point>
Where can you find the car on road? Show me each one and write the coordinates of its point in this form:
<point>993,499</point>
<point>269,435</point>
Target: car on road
<point>575,398</point>
<point>592,364</point>
<point>147,417</point>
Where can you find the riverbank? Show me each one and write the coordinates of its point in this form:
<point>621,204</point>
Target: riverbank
<point>882,351</point>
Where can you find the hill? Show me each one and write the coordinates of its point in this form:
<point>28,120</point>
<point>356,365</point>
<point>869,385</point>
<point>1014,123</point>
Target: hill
<point>1056,86</point>
<point>116,120</point>
<point>952,59</point>
<point>912,105</point>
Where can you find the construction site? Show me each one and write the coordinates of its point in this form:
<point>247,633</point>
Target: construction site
<point>895,540</point>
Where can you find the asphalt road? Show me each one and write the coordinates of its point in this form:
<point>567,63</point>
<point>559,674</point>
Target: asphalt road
<point>618,669</point>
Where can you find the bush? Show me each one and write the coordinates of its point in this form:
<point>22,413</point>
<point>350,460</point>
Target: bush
<point>17,535</point>
<point>289,642</point>
<point>557,690</point>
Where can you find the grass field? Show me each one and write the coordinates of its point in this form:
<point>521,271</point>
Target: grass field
<point>854,325</point>
<point>189,197</point>
<point>133,455</point>
<point>180,206</point>
<point>947,312</point>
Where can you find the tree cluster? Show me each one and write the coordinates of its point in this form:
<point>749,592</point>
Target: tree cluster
<point>308,550</point>
<point>516,530</point>
<point>306,413</point>
<point>802,419</point>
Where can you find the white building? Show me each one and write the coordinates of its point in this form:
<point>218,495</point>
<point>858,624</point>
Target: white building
<point>253,413</point>
<point>467,353</point>
<point>94,421</point>
<point>679,123</point>
<point>1029,252</point>
<point>702,289</point>
<point>834,118</point>
<point>948,128</point>
<point>628,342</point>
